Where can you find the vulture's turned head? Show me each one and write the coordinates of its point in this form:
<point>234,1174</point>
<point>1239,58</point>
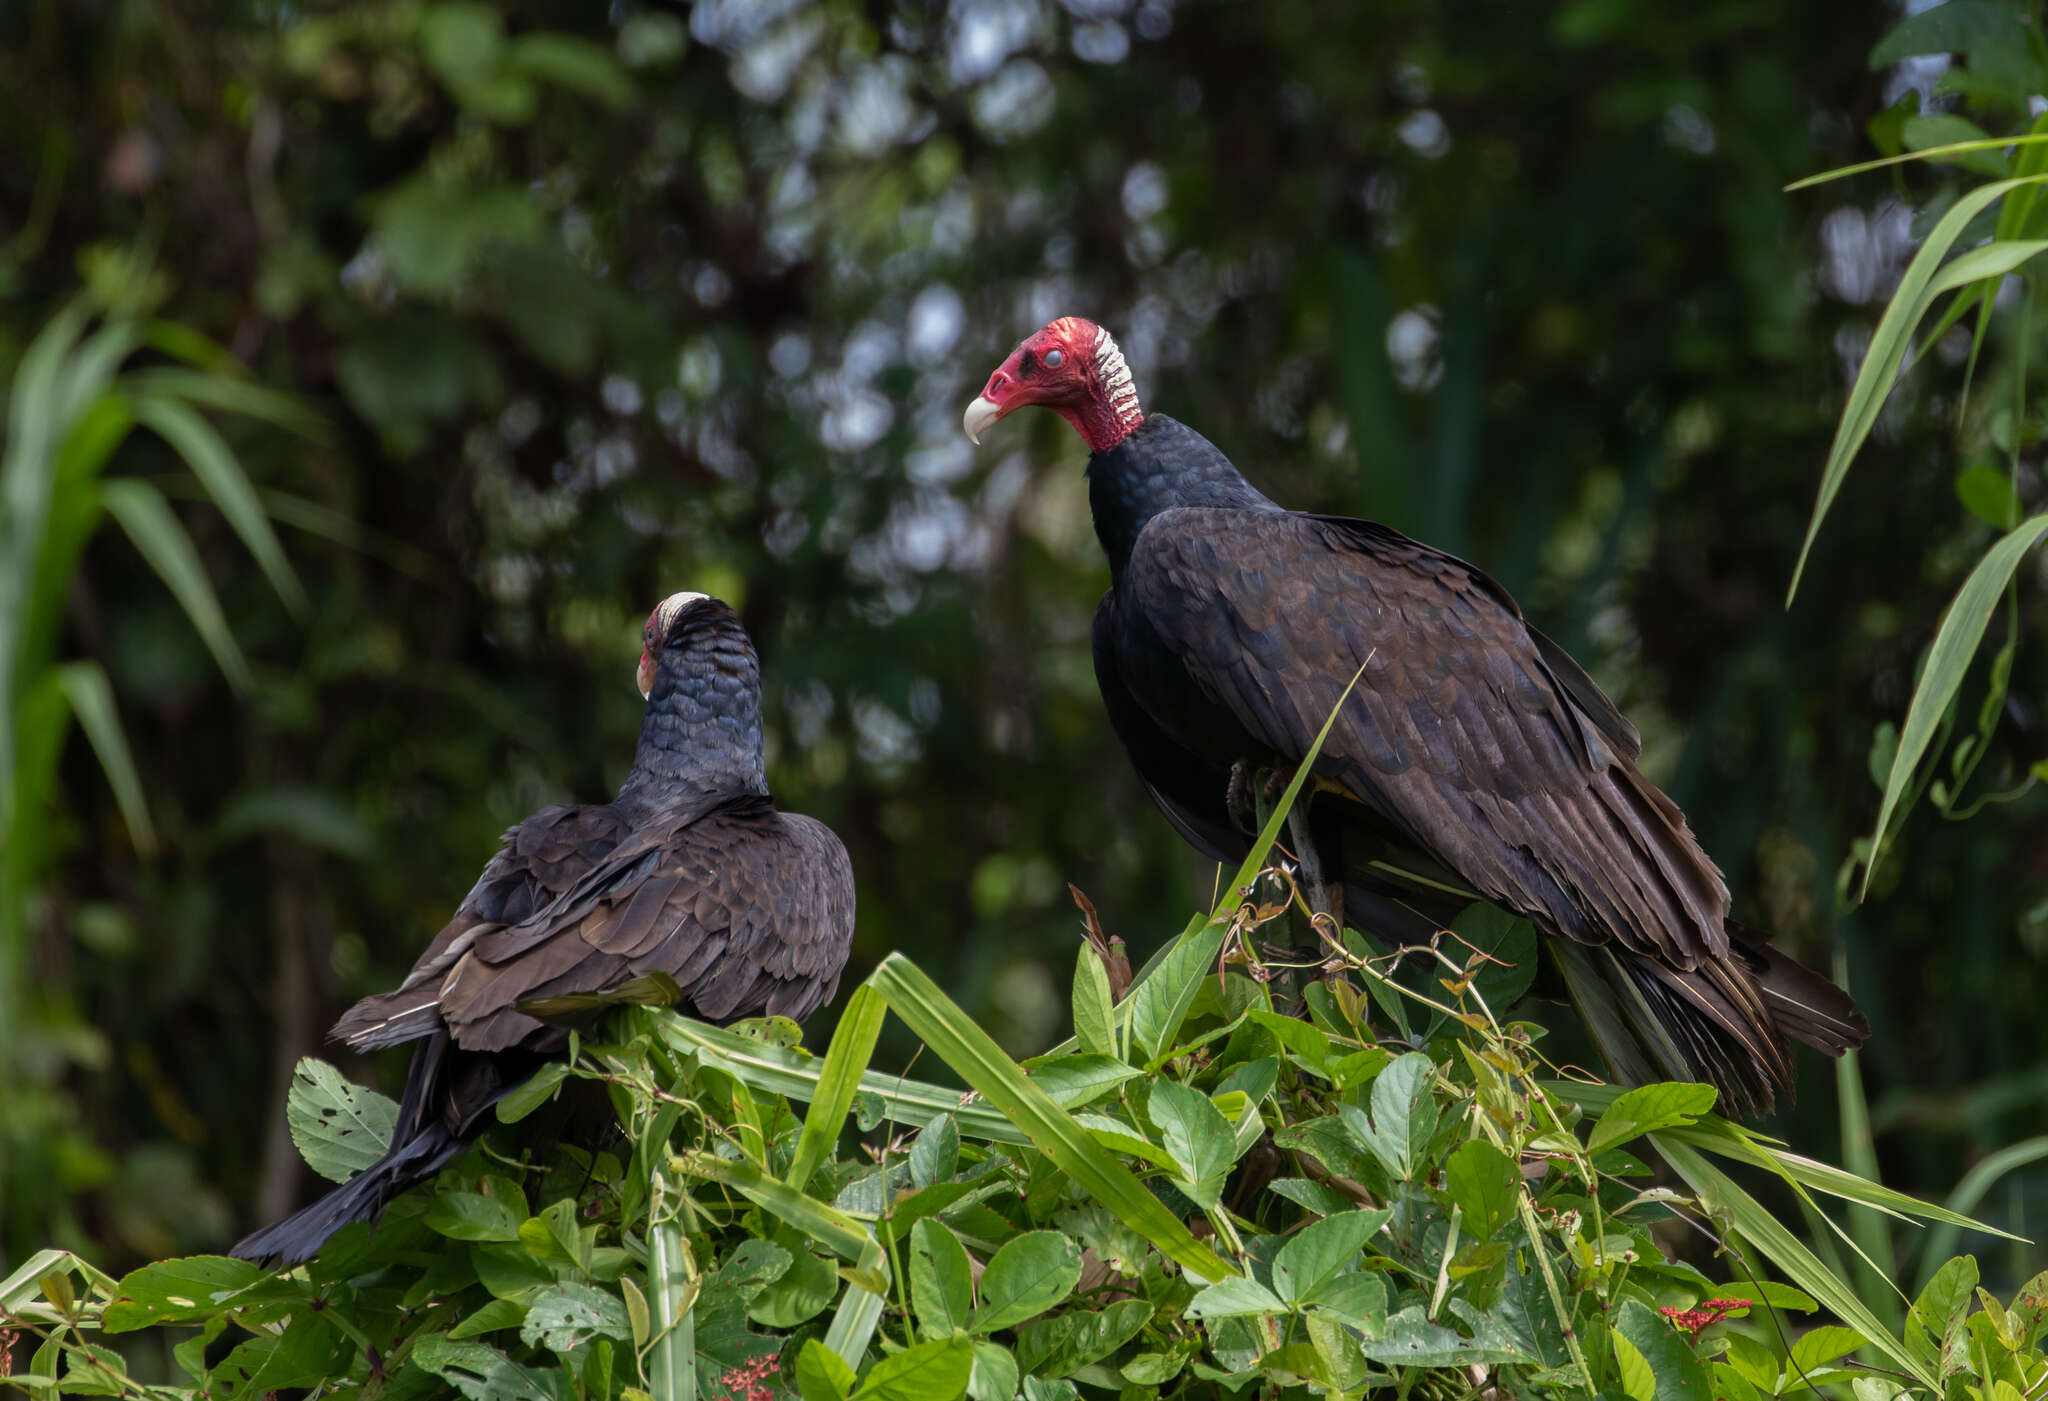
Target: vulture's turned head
<point>666,627</point>
<point>1073,368</point>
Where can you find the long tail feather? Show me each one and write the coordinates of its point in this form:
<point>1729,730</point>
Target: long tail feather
<point>300,1235</point>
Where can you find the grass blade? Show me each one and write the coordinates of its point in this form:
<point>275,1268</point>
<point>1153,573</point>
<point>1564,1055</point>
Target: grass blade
<point>962,1044</point>
<point>229,394</point>
<point>853,1045</point>
<point>92,700</point>
<point>1719,1194</point>
<point>1980,1179</point>
<point>672,1357</point>
<point>1931,153</point>
<point>1924,280</point>
<point>213,462</point>
<point>1866,1223</point>
<point>162,540</point>
<point>1947,661</point>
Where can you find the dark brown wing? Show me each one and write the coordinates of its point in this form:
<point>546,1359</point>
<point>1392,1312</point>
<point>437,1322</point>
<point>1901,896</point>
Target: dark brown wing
<point>748,911</point>
<point>541,857</point>
<point>1461,731</point>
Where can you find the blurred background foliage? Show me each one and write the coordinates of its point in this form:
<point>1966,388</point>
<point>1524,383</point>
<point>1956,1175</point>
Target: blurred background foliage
<point>595,304</point>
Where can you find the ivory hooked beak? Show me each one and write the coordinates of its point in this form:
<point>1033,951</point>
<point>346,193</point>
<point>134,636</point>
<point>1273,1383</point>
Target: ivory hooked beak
<point>645,676</point>
<point>980,414</point>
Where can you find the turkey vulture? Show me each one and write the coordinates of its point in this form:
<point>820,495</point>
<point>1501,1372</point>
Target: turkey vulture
<point>1474,756</point>
<point>689,882</point>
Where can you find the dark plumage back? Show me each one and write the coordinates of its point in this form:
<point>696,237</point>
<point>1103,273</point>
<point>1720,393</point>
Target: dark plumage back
<point>689,880</point>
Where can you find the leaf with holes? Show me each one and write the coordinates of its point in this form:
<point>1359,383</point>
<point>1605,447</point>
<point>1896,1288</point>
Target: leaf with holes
<point>340,1127</point>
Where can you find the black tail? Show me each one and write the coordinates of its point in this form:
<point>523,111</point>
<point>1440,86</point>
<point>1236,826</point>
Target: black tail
<point>362,1198</point>
<point>448,1093</point>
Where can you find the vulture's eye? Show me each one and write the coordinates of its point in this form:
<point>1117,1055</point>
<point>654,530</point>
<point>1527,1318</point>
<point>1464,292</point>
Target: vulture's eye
<point>1052,359</point>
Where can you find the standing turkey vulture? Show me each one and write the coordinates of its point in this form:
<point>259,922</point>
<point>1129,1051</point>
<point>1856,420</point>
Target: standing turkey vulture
<point>1473,757</point>
<point>689,874</point>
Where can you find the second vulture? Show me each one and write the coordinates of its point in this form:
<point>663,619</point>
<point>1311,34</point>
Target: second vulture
<point>1473,757</point>
<point>690,874</point>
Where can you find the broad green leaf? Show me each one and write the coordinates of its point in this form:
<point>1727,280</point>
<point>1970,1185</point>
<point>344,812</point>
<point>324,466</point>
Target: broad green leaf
<point>473,1216</point>
<point>1932,129</point>
<point>533,1094</point>
<point>1648,1109</point>
<point>1322,1200</point>
<point>1924,280</point>
<point>340,1127</point>
<point>1819,1346</point>
<point>1411,1340</point>
<point>1404,1116</point>
<point>784,1284</point>
<point>1305,1043</point>
<point>936,1154</point>
<point>1638,1382</point>
<point>1094,1012</point>
<point>176,1291</point>
<point>1062,1346</point>
<point>160,538</point>
<point>1359,1300</point>
<point>994,1377</point>
<point>1321,1250</point>
<point>1198,1137</point>
<point>1679,1375</point>
<point>570,1314</point>
<point>853,1045</point>
<point>1987,494</point>
<point>821,1375</point>
<point>941,1278</point>
<point>933,1371</point>
<point>497,1314</point>
<point>91,698</point>
<point>477,1370</point>
<point>1235,1297</point>
<point>1509,945</point>
<point>1074,1080</point>
<point>1948,660</point>
<point>1939,1310</point>
<point>272,1362</point>
<point>1030,1274</point>
<point>1485,1184</point>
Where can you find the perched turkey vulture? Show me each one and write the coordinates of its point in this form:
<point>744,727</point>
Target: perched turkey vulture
<point>690,874</point>
<point>1473,757</point>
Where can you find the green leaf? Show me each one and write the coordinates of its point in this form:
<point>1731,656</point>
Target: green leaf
<point>1638,1382</point>
<point>1074,1080</point>
<point>160,538</point>
<point>936,1153</point>
<point>575,64</point>
<point>497,1314</point>
<point>533,1094</point>
<point>1094,1012</point>
<point>1948,660</point>
<point>1062,1346</point>
<point>1987,494</point>
<point>271,1362</point>
<point>1158,1005</point>
<point>177,1291</point>
<point>340,1128</point>
<point>853,1045</point>
<point>821,1374</point>
<point>976,1058</point>
<point>1305,1043</point>
<point>1359,1300</point>
<point>1031,1273</point>
<point>1931,129</point>
<point>994,1377</point>
<point>213,462</point>
<point>1819,1346</point>
<point>1925,280</point>
<point>1485,1184</point>
<point>477,1370</point>
<point>1411,1340</point>
<point>1322,1200</point>
<point>799,1291</point>
<point>941,1278</point>
<point>1235,1297</point>
<point>1939,1310</point>
<point>1648,1109</point>
<point>91,698</point>
<point>1679,1375</point>
<point>1198,1137</point>
<point>933,1371</point>
<point>1321,1250</point>
<point>567,1316</point>
<point>473,1216</point>
<point>1404,1116</point>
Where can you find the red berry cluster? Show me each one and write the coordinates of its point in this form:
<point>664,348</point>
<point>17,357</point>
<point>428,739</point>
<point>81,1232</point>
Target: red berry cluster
<point>746,1383</point>
<point>1693,1321</point>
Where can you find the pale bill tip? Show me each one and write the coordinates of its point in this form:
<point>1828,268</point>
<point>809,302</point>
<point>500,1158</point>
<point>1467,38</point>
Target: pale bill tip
<point>980,414</point>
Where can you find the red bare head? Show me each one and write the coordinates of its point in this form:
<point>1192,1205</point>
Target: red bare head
<point>654,636</point>
<point>1073,368</point>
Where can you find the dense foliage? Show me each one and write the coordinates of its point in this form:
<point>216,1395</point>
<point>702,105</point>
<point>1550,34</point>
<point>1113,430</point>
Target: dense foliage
<point>593,304</point>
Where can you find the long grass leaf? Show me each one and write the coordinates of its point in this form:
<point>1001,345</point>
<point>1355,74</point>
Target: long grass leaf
<point>776,1070</point>
<point>961,1043</point>
<point>213,462</point>
<point>672,1358</point>
<point>853,1045</point>
<point>1720,1194</point>
<point>1947,662</point>
<point>1930,153</point>
<point>160,537</point>
<point>91,698</point>
<point>229,394</point>
<point>1859,1150</point>
<point>1980,1179</point>
<point>1923,280</point>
